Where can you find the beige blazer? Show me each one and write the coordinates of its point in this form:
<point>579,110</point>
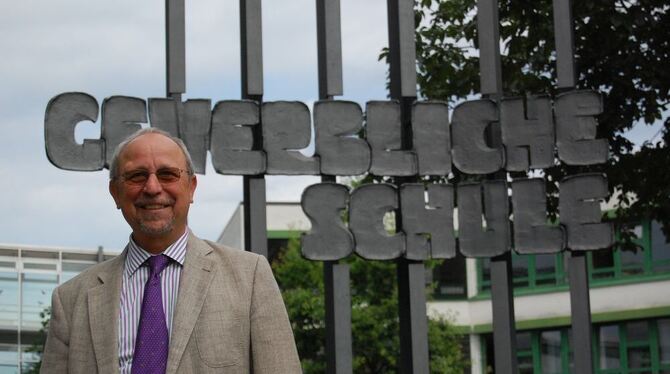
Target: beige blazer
<point>229,318</point>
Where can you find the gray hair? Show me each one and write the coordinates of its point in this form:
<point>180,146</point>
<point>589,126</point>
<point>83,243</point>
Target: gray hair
<point>114,165</point>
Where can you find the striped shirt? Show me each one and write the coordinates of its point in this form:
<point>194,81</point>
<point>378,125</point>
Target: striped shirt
<point>135,275</point>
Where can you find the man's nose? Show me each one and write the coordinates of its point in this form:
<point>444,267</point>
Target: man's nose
<point>152,186</point>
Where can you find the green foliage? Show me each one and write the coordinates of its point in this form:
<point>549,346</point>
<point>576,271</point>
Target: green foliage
<point>621,50</point>
<point>37,348</point>
<point>374,316</point>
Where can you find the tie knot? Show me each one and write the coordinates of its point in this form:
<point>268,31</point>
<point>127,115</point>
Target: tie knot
<point>157,264</point>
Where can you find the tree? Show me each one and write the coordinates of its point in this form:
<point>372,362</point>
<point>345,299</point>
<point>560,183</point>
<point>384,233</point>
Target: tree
<point>621,48</point>
<point>37,348</point>
<point>374,316</point>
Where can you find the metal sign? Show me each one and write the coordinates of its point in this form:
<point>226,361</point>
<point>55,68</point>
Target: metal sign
<point>401,138</point>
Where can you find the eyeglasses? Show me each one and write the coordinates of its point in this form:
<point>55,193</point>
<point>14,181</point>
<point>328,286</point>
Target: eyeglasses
<point>164,176</point>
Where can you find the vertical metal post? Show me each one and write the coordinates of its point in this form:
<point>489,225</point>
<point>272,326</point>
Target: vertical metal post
<point>502,300</point>
<point>502,295</point>
<point>580,303</point>
<point>564,37</point>
<point>339,353</point>
<point>580,310</point>
<point>251,42</point>
<point>175,50</point>
<point>411,274</point>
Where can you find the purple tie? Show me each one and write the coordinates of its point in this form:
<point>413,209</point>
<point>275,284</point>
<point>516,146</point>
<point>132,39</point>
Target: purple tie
<point>151,345</point>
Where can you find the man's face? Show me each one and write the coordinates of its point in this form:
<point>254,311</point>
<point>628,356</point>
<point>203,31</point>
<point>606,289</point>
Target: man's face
<point>154,209</point>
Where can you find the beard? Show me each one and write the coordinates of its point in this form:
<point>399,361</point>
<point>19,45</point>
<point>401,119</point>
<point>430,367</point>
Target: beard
<point>147,227</point>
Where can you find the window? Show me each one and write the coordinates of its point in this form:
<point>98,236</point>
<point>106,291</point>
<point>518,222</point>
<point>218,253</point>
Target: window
<point>634,347</point>
<point>36,296</point>
<point>530,271</point>
<point>449,277</point>
<point>548,270</point>
<point>652,257</point>
<point>639,346</point>
<point>9,300</point>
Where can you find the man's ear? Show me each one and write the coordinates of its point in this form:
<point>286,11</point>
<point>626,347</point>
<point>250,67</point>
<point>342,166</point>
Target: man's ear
<point>193,184</point>
<point>114,191</point>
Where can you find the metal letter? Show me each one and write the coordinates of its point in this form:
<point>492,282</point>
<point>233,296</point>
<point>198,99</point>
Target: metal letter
<point>329,239</point>
<point>63,114</point>
<point>471,153</point>
<point>579,208</point>
<point>489,238</point>
<point>368,205</point>
<point>576,124</point>
<point>163,114</point>
<point>121,117</point>
<point>233,138</point>
<point>336,125</point>
<point>428,225</point>
<point>431,138</point>
<point>532,233</point>
<point>384,136</point>
<point>528,135</point>
<point>286,127</point>
<point>194,130</point>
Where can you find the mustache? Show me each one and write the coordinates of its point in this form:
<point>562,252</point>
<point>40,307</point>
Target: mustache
<point>142,201</point>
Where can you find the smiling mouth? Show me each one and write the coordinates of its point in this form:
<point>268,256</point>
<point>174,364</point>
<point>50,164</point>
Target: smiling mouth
<point>154,206</point>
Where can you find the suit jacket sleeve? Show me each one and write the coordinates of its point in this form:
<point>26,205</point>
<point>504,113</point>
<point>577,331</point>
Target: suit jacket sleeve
<point>272,343</point>
<point>56,349</point>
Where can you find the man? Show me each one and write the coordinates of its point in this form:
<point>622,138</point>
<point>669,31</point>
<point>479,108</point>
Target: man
<point>171,302</point>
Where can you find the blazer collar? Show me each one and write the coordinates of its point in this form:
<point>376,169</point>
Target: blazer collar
<point>103,309</point>
<point>196,277</point>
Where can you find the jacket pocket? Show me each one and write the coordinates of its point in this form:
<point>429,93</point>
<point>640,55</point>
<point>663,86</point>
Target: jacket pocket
<point>218,339</point>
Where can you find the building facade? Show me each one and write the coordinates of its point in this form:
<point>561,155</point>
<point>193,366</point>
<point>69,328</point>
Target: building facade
<point>28,275</point>
<point>630,300</point>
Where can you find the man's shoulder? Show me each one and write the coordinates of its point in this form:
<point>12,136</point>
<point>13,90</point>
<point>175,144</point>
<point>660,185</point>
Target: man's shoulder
<point>90,277</point>
<point>237,256</point>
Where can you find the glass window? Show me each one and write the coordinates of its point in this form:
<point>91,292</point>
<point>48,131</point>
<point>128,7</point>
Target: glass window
<point>9,300</point>
<point>485,283</point>
<point>71,269</point>
<point>603,263</point>
<point>37,289</point>
<point>550,348</point>
<point>608,338</point>
<point>637,339</point>
<point>664,341</point>
<point>660,249</point>
<point>524,352</point>
<point>545,269</point>
<point>9,353</point>
<point>632,261</point>
<point>450,277</point>
<point>520,270</point>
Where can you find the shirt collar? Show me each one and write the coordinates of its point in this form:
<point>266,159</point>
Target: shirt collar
<point>137,255</point>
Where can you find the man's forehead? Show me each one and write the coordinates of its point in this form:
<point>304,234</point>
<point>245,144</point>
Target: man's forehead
<point>152,143</point>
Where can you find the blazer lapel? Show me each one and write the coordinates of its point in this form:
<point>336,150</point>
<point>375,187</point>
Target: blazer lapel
<point>103,310</point>
<point>196,276</point>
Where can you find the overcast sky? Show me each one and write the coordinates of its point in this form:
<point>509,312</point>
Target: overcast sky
<point>107,48</point>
